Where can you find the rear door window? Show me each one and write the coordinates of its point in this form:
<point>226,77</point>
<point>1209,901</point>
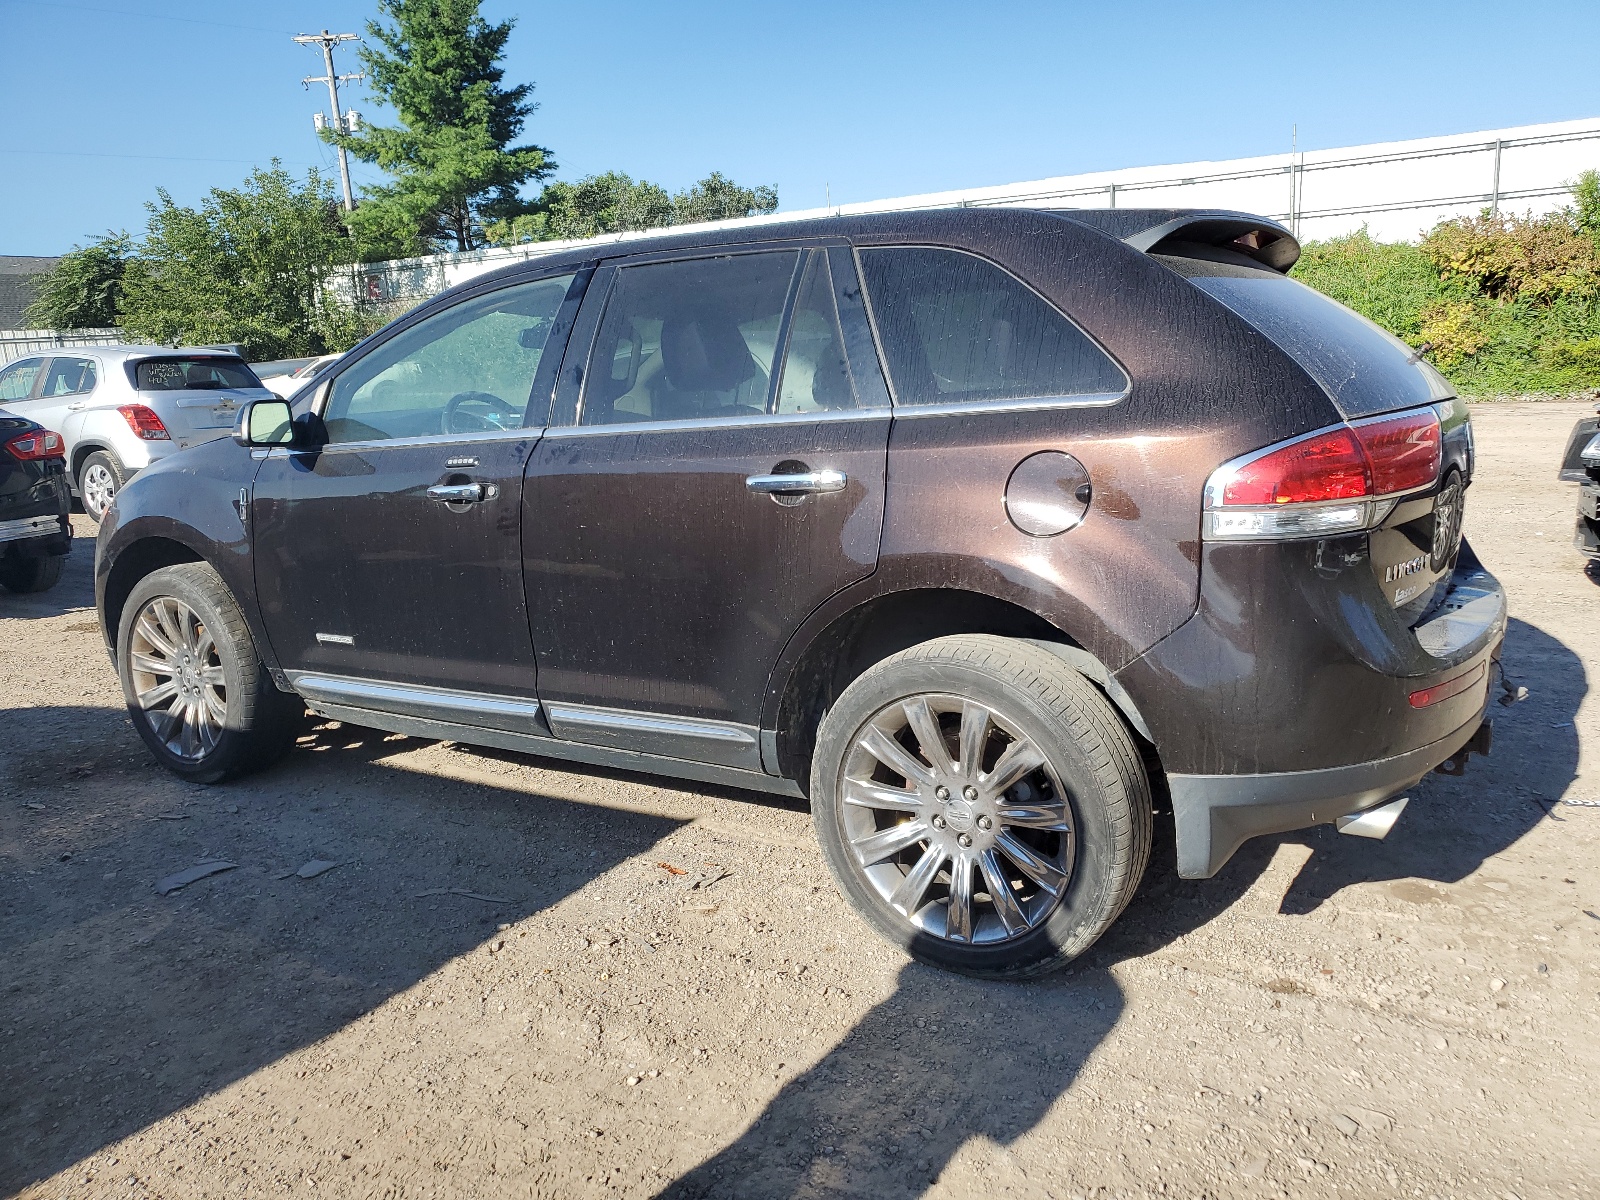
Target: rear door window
<point>690,340</point>
<point>68,377</point>
<point>16,381</point>
<point>193,373</point>
<point>957,329</point>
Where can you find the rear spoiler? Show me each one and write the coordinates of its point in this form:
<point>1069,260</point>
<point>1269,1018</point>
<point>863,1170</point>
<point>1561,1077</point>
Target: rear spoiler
<point>1182,232</point>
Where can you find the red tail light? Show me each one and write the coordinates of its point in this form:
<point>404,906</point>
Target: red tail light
<point>1327,482</point>
<point>33,446</point>
<point>144,422</point>
<point>1450,687</point>
<point>1404,451</point>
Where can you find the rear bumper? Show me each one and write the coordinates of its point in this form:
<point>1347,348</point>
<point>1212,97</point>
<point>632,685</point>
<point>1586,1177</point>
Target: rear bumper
<point>1216,814</point>
<point>50,534</point>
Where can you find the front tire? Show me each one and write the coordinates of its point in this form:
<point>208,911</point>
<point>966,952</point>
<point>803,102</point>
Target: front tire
<point>99,480</point>
<point>982,805</point>
<point>195,687</point>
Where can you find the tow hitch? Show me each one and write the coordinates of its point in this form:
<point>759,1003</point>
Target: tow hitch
<point>1479,743</point>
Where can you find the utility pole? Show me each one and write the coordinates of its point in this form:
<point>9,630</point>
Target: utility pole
<point>342,122</point>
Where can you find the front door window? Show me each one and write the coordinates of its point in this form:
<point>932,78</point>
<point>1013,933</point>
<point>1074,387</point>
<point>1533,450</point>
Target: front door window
<point>469,369</point>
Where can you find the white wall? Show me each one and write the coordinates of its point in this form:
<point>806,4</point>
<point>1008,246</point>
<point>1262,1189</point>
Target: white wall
<point>1398,190</point>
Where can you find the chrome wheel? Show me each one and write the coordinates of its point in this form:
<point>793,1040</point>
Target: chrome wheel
<point>99,488</point>
<point>178,677</point>
<point>956,819</point>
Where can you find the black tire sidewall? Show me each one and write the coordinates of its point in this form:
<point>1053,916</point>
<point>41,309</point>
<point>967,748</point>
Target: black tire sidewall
<point>29,574</point>
<point>1089,904</point>
<point>237,745</point>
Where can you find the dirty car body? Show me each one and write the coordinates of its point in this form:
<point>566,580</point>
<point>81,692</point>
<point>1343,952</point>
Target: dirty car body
<point>1580,464</point>
<point>702,494</point>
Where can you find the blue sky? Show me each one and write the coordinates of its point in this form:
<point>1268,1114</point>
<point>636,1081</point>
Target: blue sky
<point>106,100</point>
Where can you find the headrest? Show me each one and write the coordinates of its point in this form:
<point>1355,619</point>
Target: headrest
<point>704,352</point>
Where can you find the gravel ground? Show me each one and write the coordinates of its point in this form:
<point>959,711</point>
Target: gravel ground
<point>525,981</point>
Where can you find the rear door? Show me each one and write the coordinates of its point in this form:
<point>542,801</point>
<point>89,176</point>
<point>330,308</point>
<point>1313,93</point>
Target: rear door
<point>713,473</point>
<point>392,553</point>
<point>64,389</point>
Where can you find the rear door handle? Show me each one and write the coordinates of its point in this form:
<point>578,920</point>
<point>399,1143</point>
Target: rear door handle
<point>786,485</point>
<point>458,493</point>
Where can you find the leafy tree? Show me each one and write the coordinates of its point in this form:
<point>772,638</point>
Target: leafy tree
<point>614,202</point>
<point>716,198</point>
<point>451,159</point>
<point>1586,203</point>
<point>84,289</point>
<point>249,266</point>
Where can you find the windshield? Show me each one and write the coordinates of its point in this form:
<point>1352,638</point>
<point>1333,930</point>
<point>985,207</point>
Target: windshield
<point>192,373</point>
<point>1363,367</point>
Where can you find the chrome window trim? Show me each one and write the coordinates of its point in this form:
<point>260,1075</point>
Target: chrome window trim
<point>762,419</point>
<point>624,720</point>
<point>1037,403</point>
<point>531,432</point>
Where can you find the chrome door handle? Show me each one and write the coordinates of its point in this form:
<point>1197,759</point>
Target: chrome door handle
<point>458,493</point>
<point>810,481</point>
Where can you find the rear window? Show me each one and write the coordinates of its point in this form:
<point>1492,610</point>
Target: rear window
<point>957,330</point>
<point>193,373</point>
<point>1366,369</point>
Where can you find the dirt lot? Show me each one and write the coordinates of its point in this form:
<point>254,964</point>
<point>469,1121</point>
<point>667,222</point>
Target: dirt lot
<point>523,981</point>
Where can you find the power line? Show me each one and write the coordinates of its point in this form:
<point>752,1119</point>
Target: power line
<point>146,157</point>
<point>341,123</point>
<point>122,12</point>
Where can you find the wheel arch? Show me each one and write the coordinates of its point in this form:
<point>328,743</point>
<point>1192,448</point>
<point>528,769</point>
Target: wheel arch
<point>83,450</point>
<point>822,660</point>
<point>133,562</point>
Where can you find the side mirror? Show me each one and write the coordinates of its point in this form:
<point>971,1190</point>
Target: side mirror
<point>265,423</point>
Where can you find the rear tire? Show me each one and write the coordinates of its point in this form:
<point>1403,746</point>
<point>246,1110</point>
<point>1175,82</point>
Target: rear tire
<point>195,687</point>
<point>100,478</point>
<point>1005,867</point>
<point>30,572</point>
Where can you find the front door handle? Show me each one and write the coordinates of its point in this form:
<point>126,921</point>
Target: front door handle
<point>788,485</point>
<point>458,493</point>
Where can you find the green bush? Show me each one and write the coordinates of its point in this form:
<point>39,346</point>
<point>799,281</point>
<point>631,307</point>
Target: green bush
<point>1508,304</point>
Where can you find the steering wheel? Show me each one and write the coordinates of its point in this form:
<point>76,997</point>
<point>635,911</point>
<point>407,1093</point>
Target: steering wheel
<point>451,419</point>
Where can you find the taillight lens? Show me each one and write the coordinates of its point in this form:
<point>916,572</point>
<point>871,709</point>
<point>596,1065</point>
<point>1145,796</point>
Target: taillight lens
<point>33,446</point>
<point>1333,481</point>
<point>1404,451</point>
<point>144,422</point>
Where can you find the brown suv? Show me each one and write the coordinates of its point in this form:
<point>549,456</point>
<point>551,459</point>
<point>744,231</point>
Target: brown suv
<point>991,531</point>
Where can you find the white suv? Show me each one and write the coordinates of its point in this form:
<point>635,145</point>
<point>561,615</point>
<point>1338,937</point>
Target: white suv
<point>122,407</point>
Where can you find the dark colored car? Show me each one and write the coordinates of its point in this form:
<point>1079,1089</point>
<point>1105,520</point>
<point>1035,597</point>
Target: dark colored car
<point>35,498</point>
<point>1581,465</point>
<point>991,531</point>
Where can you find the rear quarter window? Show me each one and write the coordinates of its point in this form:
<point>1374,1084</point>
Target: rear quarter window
<point>957,329</point>
<point>1363,367</point>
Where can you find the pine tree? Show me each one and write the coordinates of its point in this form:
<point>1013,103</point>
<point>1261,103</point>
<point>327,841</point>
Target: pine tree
<point>451,160</point>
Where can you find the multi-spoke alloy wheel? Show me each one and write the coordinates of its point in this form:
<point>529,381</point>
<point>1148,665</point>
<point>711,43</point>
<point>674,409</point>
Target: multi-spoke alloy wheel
<point>98,483</point>
<point>195,686</point>
<point>982,804</point>
<point>956,819</point>
<point>178,677</point>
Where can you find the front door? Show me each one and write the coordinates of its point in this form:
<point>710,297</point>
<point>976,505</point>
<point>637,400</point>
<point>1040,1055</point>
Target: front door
<point>392,553</point>
<point>716,476</point>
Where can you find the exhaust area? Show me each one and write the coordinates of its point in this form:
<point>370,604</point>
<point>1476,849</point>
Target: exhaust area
<point>1375,822</point>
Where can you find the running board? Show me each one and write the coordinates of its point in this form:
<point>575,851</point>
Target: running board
<point>547,747</point>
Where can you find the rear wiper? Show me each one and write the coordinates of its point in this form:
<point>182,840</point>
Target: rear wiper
<point>1416,355</point>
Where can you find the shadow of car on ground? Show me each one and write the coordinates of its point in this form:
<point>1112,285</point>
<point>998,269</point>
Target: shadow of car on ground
<point>122,1007</point>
